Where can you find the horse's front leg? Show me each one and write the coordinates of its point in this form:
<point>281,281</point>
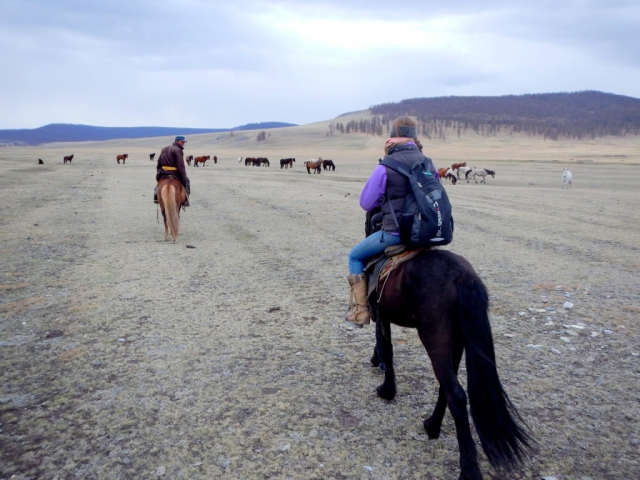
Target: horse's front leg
<point>384,351</point>
<point>377,355</point>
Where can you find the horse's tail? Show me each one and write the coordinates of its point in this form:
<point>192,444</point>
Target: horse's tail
<point>171,209</point>
<point>503,434</point>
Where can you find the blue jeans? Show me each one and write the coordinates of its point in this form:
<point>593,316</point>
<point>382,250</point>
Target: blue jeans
<point>371,246</point>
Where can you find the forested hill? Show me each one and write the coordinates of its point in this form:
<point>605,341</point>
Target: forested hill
<point>579,115</point>
<point>63,132</point>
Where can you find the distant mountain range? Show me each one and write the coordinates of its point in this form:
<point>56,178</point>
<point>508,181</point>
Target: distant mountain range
<point>63,132</point>
<point>579,115</point>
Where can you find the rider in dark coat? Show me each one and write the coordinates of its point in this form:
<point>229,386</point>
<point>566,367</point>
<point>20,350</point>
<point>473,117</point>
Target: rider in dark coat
<point>171,164</point>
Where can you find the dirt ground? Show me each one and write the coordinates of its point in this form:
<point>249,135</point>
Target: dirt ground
<point>123,356</point>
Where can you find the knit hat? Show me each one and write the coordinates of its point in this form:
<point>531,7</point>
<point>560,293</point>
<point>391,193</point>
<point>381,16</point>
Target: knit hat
<point>403,131</point>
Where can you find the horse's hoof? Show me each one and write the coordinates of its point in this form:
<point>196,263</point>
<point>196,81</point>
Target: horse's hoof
<point>472,473</point>
<point>432,431</point>
<point>386,393</point>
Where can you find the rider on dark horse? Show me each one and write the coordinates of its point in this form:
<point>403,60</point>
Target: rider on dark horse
<point>388,189</point>
<point>171,164</point>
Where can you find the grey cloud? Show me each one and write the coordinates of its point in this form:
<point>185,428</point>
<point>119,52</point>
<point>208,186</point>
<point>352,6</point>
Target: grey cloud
<point>210,64</point>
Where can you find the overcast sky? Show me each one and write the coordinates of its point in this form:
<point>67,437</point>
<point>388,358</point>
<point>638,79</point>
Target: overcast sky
<point>211,64</point>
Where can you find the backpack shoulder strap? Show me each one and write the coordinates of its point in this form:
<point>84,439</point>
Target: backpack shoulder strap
<point>396,166</point>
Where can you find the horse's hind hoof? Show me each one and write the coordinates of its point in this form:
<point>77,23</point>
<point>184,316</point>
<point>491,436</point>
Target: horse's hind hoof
<point>386,393</point>
<point>433,432</point>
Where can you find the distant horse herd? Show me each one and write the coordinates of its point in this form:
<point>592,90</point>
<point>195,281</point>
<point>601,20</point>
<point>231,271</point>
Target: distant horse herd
<point>452,174</point>
<point>456,170</point>
<point>171,196</point>
<point>256,162</point>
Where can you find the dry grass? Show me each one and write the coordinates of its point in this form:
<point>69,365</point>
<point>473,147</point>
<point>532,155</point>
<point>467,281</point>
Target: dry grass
<point>121,354</point>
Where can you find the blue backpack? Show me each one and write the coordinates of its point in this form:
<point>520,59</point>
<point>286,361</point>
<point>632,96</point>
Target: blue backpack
<point>426,219</point>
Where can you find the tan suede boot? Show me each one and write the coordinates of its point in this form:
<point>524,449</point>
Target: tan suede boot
<point>358,306</point>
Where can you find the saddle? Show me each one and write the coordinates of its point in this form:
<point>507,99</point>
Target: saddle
<point>379,268</point>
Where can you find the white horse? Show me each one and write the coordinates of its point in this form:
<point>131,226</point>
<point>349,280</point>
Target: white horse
<point>463,171</point>
<point>566,179</point>
<point>480,172</point>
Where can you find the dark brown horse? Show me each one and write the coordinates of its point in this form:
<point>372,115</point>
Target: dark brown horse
<point>68,159</point>
<point>201,160</point>
<point>250,161</point>
<point>215,159</point>
<point>171,196</point>
<point>286,162</point>
<point>189,159</point>
<point>440,295</point>
<point>152,156</point>
<point>263,161</point>
<point>328,165</point>
<point>40,162</point>
<point>122,157</point>
<point>314,164</point>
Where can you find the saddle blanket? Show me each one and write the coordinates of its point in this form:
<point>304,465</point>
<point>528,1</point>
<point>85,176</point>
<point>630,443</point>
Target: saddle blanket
<point>396,260</point>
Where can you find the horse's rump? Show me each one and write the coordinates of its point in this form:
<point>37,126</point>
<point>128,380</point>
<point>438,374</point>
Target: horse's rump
<point>171,196</point>
<point>411,270</point>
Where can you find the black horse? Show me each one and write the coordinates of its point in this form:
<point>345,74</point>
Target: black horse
<point>328,165</point>
<point>438,293</point>
<point>287,162</point>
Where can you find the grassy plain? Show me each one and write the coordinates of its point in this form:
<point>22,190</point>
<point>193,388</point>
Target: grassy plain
<point>123,356</point>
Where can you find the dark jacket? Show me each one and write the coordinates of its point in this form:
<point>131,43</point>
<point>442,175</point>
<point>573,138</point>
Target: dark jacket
<point>172,156</point>
<point>397,184</point>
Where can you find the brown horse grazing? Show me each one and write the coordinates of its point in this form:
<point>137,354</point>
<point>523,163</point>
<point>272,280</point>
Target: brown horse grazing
<point>440,295</point>
<point>201,160</point>
<point>152,156</point>
<point>456,166</point>
<point>171,196</point>
<point>328,165</point>
<point>189,159</point>
<point>40,162</point>
<point>263,161</point>
<point>314,164</point>
<point>447,174</point>
<point>68,159</point>
<point>122,157</point>
<point>249,161</point>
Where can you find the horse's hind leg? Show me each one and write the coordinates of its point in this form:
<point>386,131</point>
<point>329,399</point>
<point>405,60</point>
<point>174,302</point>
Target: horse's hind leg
<point>166,228</point>
<point>433,424</point>
<point>457,403</point>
